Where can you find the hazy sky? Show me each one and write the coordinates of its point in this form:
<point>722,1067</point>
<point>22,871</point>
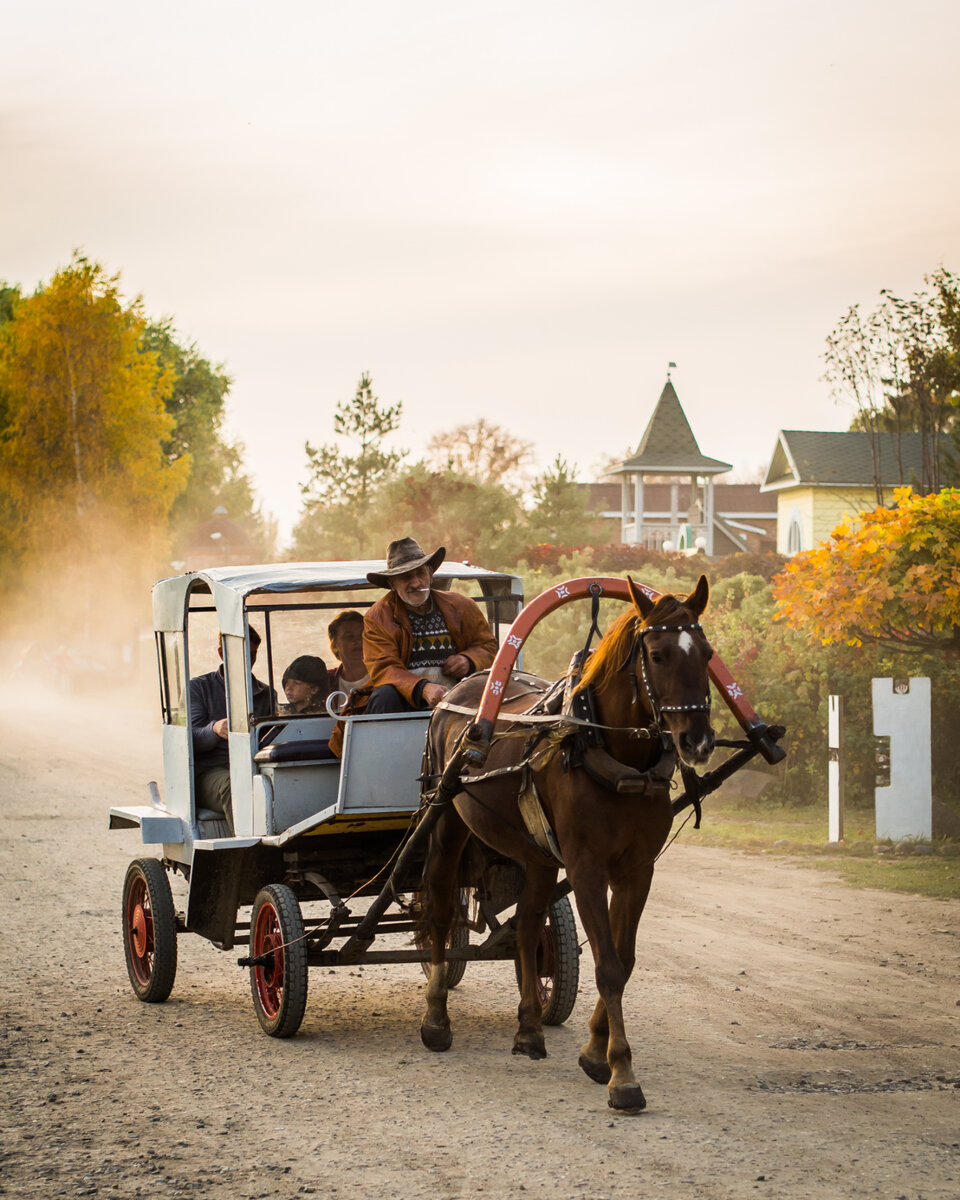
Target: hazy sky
<point>521,211</point>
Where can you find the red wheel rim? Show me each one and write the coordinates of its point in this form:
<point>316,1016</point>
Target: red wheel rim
<point>267,941</point>
<point>140,930</point>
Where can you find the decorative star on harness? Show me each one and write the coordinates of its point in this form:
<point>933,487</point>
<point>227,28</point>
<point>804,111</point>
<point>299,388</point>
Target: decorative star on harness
<point>734,691</point>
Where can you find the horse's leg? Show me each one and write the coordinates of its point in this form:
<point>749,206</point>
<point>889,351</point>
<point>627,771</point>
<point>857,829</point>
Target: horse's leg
<point>531,913</point>
<point>440,898</point>
<point>626,908</point>
<point>623,1090</point>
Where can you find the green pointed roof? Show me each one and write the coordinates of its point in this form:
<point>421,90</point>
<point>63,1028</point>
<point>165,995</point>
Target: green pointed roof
<point>668,446</point>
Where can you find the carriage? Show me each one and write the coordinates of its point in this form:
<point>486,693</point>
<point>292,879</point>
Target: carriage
<point>328,853</point>
<point>312,851</point>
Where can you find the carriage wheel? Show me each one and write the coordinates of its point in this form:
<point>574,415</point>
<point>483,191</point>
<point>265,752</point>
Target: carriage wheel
<point>149,930</point>
<point>278,982</point>
<point>458,938</point>
<point>558,964</point>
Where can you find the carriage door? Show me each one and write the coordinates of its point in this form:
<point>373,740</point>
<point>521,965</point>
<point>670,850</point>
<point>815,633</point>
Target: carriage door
<point>177,745</point>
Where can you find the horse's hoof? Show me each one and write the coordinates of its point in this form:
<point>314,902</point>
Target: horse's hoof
<point>436,1037</point>
<point>627,1098</point>
<point>599,1072</point>
<point>532,1047</point>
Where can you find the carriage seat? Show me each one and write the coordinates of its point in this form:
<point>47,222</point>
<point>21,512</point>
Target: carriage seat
<point>305,751</point>
<point>213,824</point>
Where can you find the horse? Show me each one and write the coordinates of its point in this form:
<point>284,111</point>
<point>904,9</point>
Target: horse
<point>651,695</point>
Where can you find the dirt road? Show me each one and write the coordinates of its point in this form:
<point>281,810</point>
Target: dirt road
<point>794,1038</point>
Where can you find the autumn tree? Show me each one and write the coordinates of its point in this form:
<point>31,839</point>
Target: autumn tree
<point>84,417</point>
<point>218,479</point>
<point>481,451</point>
<point>471,518</point>
<point>889,578</point>
<point>343,481</point>
<point>900,367</point>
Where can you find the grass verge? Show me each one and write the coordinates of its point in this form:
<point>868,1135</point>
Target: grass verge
<point>760,827</point>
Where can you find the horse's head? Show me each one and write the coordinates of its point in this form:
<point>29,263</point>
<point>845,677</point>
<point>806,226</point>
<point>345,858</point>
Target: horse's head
<point>671,667</point>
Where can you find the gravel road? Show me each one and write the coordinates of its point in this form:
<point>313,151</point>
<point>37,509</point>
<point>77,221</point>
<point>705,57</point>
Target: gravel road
<point>794,1038</point>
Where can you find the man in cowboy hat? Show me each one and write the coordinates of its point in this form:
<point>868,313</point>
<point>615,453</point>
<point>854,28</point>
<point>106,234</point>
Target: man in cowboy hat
<point>418,641</point>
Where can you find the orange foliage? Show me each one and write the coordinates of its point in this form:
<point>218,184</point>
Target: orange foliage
<point>890,577</point>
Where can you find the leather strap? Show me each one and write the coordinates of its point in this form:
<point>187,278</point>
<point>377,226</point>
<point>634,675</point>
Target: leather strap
<point>536,821</point>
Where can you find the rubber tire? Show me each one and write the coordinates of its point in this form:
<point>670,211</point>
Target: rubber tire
<point>559,995</point>
<point>458,939</point>
<point>149,930</point>
<point>276,917</point>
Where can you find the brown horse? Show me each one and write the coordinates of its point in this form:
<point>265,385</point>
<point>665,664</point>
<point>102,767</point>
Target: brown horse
<point>651,688</point>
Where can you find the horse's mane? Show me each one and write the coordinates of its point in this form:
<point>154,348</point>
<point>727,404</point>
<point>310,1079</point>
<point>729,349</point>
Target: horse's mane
<point>615,644</point>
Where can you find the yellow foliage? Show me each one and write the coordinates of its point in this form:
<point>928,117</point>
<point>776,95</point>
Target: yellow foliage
<point>85,424</point>
<point>892,576</point>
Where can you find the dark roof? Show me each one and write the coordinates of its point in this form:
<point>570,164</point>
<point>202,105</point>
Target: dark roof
<point>668,445</point>
<point>816,459</point>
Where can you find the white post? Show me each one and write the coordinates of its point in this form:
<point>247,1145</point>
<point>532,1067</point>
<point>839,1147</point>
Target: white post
<point>901,711</point>
<point>834,768</point>
<point>624,505</point>
<point>638,506</point>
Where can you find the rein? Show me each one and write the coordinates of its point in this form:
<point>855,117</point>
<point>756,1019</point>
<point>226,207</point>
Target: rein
<point>636,731</point>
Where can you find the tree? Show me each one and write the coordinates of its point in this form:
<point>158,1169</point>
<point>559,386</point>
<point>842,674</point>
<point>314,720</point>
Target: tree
<point>197,404</point>
<point>559,512</point>
<point>482,451</point>
<point>890,578</point>
<point>471,518</point>
<point>9,295</point>
<point>341,486</point>
<point>84,417</point>
<point>901,368</point>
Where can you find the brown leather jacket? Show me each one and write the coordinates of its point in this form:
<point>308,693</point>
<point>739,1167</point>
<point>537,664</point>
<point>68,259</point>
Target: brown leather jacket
<point>387,640</point>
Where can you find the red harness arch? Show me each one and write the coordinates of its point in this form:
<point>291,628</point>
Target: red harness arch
<point>612,588</point>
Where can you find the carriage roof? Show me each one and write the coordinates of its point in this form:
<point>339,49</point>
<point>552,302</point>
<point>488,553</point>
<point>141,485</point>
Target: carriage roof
<point>230,586</point>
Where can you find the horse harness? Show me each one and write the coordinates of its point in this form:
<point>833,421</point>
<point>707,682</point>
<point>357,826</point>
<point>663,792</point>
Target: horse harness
<point>568,725</point>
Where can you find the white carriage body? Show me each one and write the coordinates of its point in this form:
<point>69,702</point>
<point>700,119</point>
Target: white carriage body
<point>275,801</point>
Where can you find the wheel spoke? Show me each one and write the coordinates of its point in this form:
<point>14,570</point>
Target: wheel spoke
<point>140,931</point>
<point>269,976</point>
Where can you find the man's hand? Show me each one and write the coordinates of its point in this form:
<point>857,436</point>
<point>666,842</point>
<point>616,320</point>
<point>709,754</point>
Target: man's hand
<point>457,666</point>
<point>220,728</point>
<point>433,693</point>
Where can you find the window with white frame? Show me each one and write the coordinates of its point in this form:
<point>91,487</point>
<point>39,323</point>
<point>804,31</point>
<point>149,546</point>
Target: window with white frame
<point>794,535</point>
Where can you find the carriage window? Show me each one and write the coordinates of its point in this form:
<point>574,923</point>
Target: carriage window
<point>172,677</point>
<point>235,666</point>
<point>794,536</point>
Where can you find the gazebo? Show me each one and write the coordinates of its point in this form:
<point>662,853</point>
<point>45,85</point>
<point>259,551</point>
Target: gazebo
<point>669,452</point>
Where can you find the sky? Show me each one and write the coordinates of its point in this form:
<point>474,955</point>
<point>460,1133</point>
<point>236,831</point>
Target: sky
<point>517,211</point>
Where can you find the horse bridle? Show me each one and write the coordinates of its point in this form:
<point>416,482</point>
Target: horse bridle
<point>638,650</point>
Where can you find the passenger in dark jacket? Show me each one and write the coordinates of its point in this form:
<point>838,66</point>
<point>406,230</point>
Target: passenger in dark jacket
<point>208,719</point>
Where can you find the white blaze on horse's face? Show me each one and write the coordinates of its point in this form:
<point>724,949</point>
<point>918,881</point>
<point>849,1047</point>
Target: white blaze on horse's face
<point>685,642</point>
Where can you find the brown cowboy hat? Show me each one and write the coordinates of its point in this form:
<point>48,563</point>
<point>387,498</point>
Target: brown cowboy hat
<point>404,555</point>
